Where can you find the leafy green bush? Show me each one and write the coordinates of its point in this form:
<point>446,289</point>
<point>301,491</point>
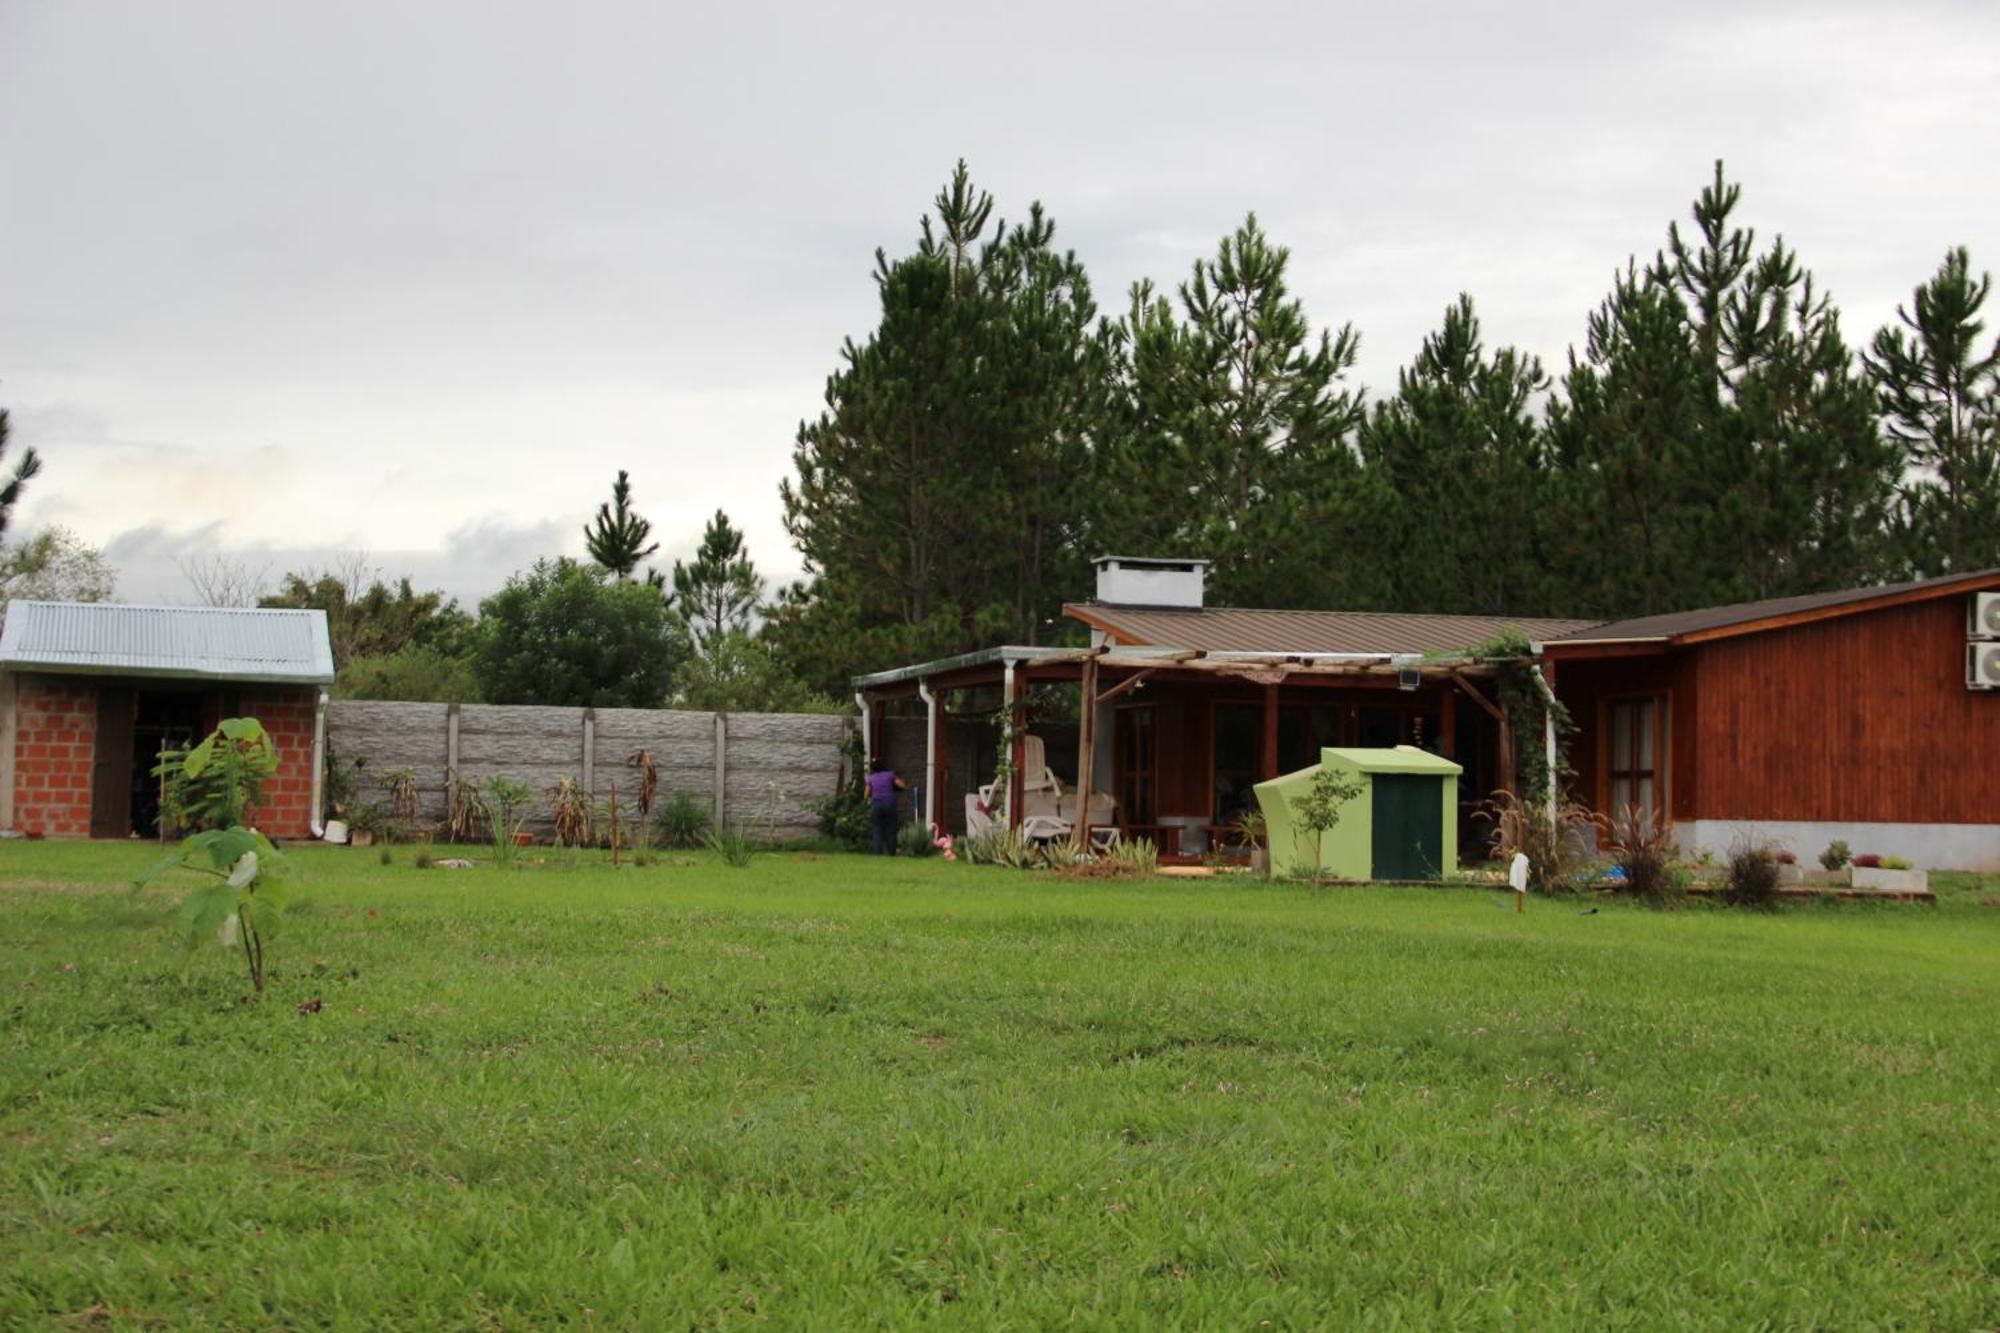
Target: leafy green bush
<point>915,840</point>
<point>1319,809</point>
<point>843,816</point>
<point>1753,877</point>
<point>683,821</point>
<point>1896,863</point>
<point>1836,856</point>
<point>999,846</point>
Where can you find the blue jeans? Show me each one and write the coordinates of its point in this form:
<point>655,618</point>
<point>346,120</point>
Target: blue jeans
<point>882,829</point>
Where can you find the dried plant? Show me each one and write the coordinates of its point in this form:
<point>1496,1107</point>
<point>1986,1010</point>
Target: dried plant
<point>465,812</point>
<point>1644,848</point>
<point>1555,850</point>
<point>573,815</point>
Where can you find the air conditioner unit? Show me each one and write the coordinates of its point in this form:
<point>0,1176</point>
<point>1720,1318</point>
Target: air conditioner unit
<point>1982,665</point>
<point>1982,619</point>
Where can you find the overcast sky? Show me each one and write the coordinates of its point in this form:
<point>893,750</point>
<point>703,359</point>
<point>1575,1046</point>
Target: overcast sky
<point>287,279</point>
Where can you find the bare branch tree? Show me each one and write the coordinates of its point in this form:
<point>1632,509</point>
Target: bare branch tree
<point>223,580</point>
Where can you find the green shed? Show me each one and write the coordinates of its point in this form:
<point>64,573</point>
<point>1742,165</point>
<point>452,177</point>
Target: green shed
<point>1403,825</point>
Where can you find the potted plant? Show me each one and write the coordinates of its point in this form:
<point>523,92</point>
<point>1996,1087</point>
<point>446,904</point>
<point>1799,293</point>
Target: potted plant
<point>1250,832</point>
<point>365,823</point>
<point>1889,874</point>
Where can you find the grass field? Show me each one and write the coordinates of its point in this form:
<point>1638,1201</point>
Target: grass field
<point>831,1091</point>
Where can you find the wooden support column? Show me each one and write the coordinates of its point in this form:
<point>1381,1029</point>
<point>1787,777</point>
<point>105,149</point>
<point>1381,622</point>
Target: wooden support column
<point>1017,783</point>
<point>1448,723</point>
<point>937,782</point>
<point>1267,759</point>
<point>1508,783</point>
<point>1086,752</point>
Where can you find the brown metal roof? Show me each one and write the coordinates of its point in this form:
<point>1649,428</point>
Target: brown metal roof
<point>1229,629</point>
<point>1745,617</point>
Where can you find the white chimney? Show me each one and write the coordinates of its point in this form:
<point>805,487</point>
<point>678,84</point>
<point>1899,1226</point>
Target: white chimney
<point>1137,581</point>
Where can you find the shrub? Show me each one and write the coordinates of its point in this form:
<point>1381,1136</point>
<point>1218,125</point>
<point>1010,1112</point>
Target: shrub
<point>1645,852</point>
<point>1138,856</point>
<point>683,821</point>
<point>1836,855</point>
<point>388,858</point>
<point>1556,851</point>
<point>1787,857</point>
<point>370,818</point>
<point>1753,876</point>
<point>423,861</point>
<point>999,846</point>
<point>733,845</point>
<point>1895,863</point>
<point>843,816</point>
<point>506,804</point>
<point>915,840</point>
<point>1868,861</point>
<point>1319,809</point>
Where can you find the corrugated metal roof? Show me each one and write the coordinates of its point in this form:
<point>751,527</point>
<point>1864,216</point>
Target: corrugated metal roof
<point>1674,624</point>
<point>1229,629</point>
<point>198,642</point>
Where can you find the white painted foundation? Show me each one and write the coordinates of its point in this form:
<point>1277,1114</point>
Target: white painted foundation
<point>1925,846</point>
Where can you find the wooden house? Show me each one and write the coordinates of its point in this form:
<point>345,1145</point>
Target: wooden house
<point>1845,715</point>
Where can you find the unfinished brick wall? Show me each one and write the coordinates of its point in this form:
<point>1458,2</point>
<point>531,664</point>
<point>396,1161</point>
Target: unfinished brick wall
<point>287,715</point>
<point>55,745</point>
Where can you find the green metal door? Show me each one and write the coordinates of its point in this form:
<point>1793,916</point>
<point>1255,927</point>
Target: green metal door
<point>1408,831</point>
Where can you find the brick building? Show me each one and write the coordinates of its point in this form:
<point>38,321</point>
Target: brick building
<point>90,693</point>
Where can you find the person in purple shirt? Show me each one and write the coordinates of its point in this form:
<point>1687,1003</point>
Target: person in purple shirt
<point>882,788</point>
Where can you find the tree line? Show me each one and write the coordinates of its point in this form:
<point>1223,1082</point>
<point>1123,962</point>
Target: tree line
<point>1714,438</point>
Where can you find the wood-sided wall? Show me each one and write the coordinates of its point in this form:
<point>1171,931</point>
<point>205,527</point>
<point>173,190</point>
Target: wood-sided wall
<point>1861,718</point>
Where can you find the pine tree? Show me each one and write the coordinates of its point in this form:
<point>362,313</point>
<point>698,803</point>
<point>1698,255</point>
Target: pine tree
<point>939,498</point>
<point>1237,431</point>
<point>617,539</point>
<point>25,468</point>
<point>1455,461</point>
<point>1714,439</point>
<point>717,592</point>
<point>1938,385</point>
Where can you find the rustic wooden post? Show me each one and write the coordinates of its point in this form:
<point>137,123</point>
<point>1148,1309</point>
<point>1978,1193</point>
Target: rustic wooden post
<point>1508,782</point>
<point>1086,752</point>
<point>1448,722</point>
<point>1267,759</point>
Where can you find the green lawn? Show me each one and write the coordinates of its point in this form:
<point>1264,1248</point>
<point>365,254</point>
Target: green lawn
<point>831,1091</point>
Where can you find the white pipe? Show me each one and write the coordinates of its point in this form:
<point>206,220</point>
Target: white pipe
<point>316,817</point>
<point>1549,706</point>
<point>1007,708</point>
<point>861,703</point>
<point>930,753</point>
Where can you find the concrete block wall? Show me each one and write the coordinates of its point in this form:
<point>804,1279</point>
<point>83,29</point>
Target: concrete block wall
<point>773,766</point>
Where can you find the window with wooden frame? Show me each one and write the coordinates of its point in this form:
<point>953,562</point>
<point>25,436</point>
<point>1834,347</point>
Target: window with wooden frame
<point>1635,751</point>
<point>1137,748</point>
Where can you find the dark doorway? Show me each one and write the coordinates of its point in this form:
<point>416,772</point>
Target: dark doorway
<point>111,765</point>
<point>1408,827</point>
<point>162,720</point>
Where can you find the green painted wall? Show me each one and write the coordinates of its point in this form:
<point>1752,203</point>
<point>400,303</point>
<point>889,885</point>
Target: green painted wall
<point>1347,849</point>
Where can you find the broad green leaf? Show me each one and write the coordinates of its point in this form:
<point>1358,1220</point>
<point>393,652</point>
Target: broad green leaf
<point>206,909</point>
<point>171,861</point>
<point>199,758</point>
<point>242,729</point>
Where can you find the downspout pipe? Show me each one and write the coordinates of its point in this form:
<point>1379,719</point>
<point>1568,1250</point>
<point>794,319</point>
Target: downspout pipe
<point>930,753</point>
<point>316,814</point>
<point>861,704</point>
<point>1007,707</point>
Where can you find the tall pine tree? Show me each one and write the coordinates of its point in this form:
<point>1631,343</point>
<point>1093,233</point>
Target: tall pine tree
<point>719,590</point>
<point>616,540</point>
<point>24,469</point>
<point>1938,381</point>
<point>1236,432</point>
<point>1456,471</point>
<point>937,502</point>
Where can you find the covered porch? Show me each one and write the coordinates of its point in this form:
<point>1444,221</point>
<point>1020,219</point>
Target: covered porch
<point>1166,744</point>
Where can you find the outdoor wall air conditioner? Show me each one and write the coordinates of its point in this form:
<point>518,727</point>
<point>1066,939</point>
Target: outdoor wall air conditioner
<point>1982,619</point>
<point>1982,665</point>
